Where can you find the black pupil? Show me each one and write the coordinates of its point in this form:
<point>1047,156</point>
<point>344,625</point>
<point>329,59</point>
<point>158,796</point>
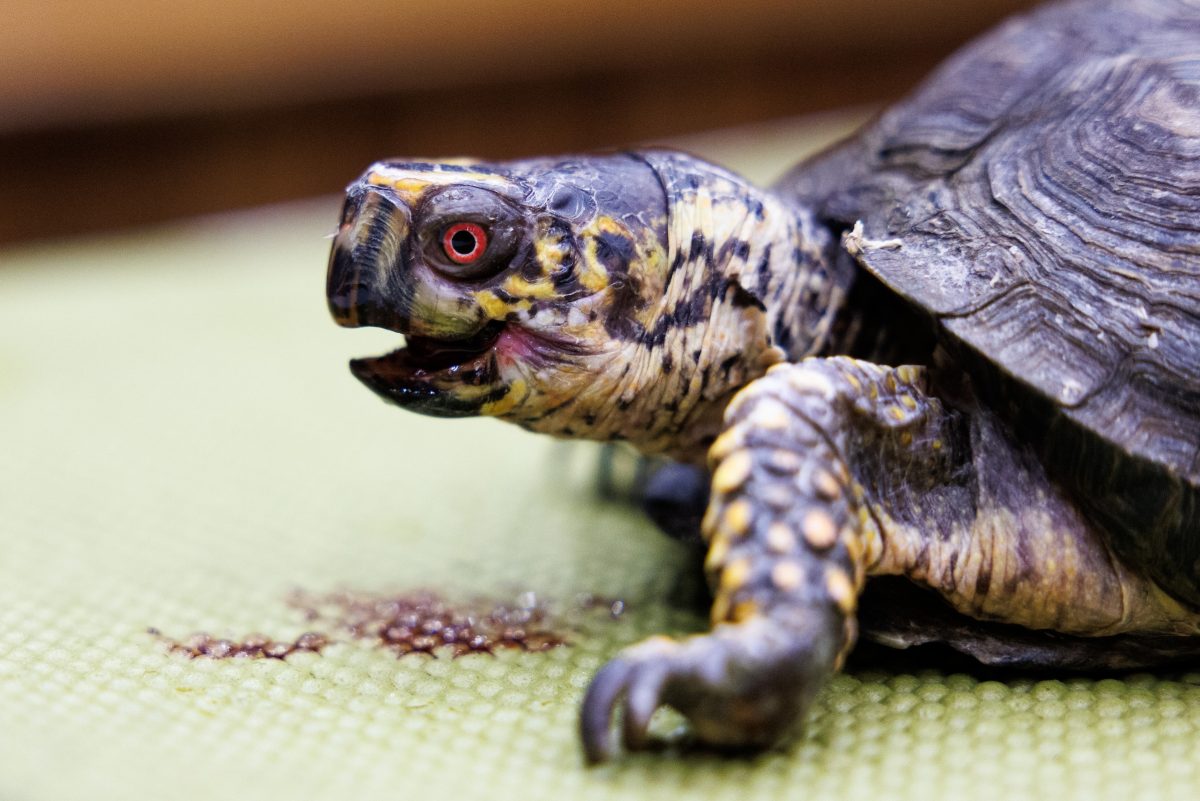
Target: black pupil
<point>463,242</point>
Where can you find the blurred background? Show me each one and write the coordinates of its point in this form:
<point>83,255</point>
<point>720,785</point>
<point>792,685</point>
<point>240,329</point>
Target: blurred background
<point>117,113</point>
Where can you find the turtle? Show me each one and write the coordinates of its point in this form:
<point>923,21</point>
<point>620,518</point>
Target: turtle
<point>941,380</point>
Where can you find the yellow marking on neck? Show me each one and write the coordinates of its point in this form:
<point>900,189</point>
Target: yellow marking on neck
<point>517,392</point>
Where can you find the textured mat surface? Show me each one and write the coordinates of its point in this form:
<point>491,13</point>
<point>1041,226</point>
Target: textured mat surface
<point>181,447</point>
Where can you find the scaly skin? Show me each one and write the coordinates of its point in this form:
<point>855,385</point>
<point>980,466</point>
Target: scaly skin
<point>833,470</point>
<point>631,297</point>
<point>641,292</point>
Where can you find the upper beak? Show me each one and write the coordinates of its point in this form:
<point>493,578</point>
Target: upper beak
<point>361,286</point>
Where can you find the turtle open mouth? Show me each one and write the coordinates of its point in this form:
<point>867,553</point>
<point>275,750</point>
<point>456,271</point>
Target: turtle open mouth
<point>424,356</point>
<point>421,375</point>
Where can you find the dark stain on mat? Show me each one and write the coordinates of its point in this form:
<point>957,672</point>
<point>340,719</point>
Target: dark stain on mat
<point>417,622</point>
<point>252,646</point>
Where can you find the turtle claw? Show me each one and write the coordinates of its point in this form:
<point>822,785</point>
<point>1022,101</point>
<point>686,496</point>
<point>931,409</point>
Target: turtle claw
<point>743,686</point>
<point>635,683</point>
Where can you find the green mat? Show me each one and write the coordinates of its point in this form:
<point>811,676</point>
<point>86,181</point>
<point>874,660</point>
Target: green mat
<point>181,447</point>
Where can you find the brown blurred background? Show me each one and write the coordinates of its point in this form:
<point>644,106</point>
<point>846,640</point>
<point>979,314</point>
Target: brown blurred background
<point>121,113</point>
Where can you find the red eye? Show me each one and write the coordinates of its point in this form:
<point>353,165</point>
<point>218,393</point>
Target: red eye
<point>464,242</point>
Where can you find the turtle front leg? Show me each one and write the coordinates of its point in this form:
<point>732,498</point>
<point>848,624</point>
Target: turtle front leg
<point>785,528</point>
<point>834,469</point>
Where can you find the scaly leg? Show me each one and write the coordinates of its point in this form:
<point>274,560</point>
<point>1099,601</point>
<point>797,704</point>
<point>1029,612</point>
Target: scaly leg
<point>786,563</point>
<point>833,469</point>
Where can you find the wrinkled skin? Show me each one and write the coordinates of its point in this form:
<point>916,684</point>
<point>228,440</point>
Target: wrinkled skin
<point>586,312</point>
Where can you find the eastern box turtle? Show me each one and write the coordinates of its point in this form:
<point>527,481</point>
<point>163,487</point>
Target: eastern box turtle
<point>955,357</point>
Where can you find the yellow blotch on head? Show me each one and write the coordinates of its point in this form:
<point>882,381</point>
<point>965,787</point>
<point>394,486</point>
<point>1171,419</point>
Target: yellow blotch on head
<point>492,306</point>
<point>592,274</point>
<point>537,290</point>
<point>497,309</point>
<point>549,253</point>
<point>398,177</point>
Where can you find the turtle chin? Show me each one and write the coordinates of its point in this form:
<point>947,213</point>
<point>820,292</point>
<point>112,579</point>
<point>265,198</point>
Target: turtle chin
<point>440,378</point>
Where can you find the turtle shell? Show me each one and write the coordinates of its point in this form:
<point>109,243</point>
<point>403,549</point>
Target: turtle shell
<point>1039,197</point>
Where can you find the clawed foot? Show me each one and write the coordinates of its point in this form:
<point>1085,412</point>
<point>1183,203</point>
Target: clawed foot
<point>743,686</point>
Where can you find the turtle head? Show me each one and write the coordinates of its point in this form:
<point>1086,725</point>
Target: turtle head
<point>617,296</point>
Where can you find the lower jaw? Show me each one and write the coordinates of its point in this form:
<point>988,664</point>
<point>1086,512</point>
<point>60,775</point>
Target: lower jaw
<point>410,390</point>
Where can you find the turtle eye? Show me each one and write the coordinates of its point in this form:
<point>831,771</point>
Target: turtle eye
<point>464,242</point>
